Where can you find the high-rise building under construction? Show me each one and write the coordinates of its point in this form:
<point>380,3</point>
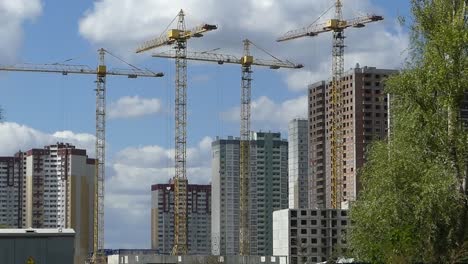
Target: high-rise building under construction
<point>364,117</point>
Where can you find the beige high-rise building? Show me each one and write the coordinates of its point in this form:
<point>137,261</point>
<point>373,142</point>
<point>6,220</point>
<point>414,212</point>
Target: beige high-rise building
<point>57,187</point>
<point>365,118</point>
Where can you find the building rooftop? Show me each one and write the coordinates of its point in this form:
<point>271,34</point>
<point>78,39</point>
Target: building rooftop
<point>37,232</point>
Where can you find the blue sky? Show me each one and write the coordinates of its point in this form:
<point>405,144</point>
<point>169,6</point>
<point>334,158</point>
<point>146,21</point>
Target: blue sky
<point>43,108</point>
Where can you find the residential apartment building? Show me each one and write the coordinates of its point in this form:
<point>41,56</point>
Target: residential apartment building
<point>198,218</point>
<point>298,163</point>
<point>309,235</point>
<point>364,109</point>
<point>12,194</point>
<point>57,191</point>
<point>268,192</point>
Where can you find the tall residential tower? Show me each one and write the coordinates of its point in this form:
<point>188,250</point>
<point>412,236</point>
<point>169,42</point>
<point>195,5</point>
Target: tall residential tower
<point>51,187</point>
<point>268,192</point>
<point>298,163</point>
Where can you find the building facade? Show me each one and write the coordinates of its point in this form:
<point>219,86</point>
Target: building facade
<point>309,235</point>
<point>268,192</point>
<point>51,246</point>
<point>12,193</point>
<point>56,184</point>
<point>364,109</point>
<point>298,163</point>
<point>198,217</point>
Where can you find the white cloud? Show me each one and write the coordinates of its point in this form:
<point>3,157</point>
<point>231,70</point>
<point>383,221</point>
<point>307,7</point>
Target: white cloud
<point>20,137</point>
<point>12,16</point>
<point>128,188</point>
<point>134,106</point>
<point>267,114</point>
<point>122,25</point>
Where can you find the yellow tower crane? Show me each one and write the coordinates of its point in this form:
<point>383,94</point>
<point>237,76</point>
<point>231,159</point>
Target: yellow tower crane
<point>246,61</point>
<point>178,38</point>
<point>101,72</point>
<point>336,25</point>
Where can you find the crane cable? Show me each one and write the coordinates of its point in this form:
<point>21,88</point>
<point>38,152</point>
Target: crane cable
<point>172,22</point>
<point>323,14</point>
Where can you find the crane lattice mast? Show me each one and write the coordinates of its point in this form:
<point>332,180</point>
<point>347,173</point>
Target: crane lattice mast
<point>337,25</point>
<point>246,91</point>
<point>246,61</point>
<point>178,37</point>
<point>180,178</point>
<point>98,239</point>
<point>336,119</point>
<point>101,72</point>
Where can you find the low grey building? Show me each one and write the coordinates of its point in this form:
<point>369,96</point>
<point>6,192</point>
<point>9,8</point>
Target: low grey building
<point>148,257</point>
<point>310,235</point>
<point>51,246</point>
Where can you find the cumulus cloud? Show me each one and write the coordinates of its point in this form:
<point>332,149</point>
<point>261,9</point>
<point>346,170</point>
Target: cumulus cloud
<point>13,14</point>
<point>134,106</point>
<point>20,137</point>
<point>268,114</point>
<point>121,24</point>
<point>128,188</point>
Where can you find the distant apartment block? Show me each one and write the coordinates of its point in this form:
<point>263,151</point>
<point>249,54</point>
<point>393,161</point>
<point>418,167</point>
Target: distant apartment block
<point>309,235</point>
<point>12,193</point>
<point>199,218</point>
<point>298,139</point>
<point>365,118</point>
<point>268,192</point>
<point>56,184</point>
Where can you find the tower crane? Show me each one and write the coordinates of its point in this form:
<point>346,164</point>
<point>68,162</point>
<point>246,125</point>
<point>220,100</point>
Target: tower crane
<point>101,72</point>
<point>178,39</point>
<point>336,25</point>
<point>246,61</point>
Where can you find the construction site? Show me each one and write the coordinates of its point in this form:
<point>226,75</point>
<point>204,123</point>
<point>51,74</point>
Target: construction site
<point>177,38</point>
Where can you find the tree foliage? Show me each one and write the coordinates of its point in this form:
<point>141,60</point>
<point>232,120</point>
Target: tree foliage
<point>413,206</point>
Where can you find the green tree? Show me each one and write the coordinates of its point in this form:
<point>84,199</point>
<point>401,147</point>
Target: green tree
<point>413,206</point>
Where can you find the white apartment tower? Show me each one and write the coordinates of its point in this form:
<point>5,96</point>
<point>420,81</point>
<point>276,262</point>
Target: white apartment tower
<point>298,163</point>
<point>268,192</point>
<point>198,218</point>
